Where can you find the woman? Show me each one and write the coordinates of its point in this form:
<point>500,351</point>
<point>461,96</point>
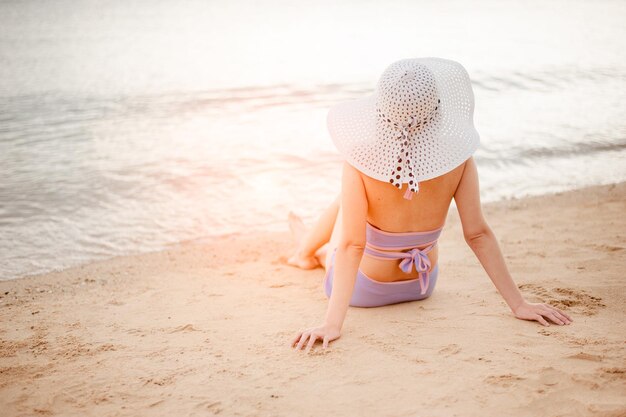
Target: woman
<point>408,152</point>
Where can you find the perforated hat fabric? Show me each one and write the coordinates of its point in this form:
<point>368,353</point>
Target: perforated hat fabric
<point>416,126</point>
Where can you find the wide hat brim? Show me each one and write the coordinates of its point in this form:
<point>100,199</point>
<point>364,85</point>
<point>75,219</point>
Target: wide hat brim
<point>437,148</point>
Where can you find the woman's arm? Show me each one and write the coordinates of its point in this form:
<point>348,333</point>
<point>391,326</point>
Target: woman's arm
<point>484,244</point>
<point>351,245</point>
<point>347,259</point>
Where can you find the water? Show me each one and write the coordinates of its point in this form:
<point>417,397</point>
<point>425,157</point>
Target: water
<point>127,126</point>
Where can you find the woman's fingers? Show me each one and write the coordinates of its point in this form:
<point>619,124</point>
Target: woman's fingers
<point>562,313</point>
<point>541,320</point>
<point>309,337</point>
<point>553,311</point>
<point>303,339</point>
<point>537,312</point>
<point>312,340</point>
<point>295,339</point>
<point>552,316</point>
<point>548,313</point>
<point>562,317</point>
<point>325,344</point>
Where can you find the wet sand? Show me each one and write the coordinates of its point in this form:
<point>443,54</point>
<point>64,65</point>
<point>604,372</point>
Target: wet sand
<point>204,329</point>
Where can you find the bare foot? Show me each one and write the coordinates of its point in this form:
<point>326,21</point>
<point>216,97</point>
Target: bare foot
<point>298,230</point>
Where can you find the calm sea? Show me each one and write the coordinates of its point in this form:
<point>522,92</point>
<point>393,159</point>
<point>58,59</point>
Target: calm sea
<point>128,126</point>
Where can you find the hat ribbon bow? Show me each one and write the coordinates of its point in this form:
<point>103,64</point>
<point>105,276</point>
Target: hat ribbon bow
<point>402,134</point>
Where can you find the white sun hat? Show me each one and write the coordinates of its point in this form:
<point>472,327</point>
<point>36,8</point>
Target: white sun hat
<point>417,125</point>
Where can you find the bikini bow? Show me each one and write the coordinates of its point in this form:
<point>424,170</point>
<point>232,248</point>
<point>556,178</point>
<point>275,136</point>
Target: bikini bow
<point>415,257</point>
<point>419,258</point>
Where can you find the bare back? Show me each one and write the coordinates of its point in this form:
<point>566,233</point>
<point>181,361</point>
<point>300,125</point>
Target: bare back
<point>427,210</point>
<point>388,210</point>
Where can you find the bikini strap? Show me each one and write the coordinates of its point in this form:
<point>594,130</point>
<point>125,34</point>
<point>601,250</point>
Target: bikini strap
<point>415,256</point>
<point>384,240</point>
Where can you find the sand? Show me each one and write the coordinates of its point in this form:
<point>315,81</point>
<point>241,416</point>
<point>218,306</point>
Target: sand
<point>204,329</point>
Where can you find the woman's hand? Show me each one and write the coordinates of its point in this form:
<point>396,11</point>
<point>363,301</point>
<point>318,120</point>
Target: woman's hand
<point>326,333</point>
<point>537,311</point>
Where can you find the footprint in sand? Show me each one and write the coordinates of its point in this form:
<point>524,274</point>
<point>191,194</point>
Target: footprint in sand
<point>566,298</point>
<point>550,376</point>
<point>545,332</point>
<point>449,350</point>
<point>585,341</point>
<point>379,342</point>
<point>613,374</point>
<point>168,380</point>
<point>156,403</point>
<point>213,406</point>
<point>541,380</point>
<point>282,284</point>
<point>607,248</point>
<point>139,332</point>
<point>185,328</point>
<point>320,352</point>
<point>503,380</point>
<point>586,357</point>
<point>602,343</point>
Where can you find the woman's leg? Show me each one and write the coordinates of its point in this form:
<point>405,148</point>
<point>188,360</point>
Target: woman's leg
<point>311,243</point>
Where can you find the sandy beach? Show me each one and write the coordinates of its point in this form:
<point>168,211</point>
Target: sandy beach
<point>204,329</point>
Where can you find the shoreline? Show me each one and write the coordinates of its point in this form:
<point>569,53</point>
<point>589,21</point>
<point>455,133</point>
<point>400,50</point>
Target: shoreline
<point>203,328</point>
<point>216,238</point>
